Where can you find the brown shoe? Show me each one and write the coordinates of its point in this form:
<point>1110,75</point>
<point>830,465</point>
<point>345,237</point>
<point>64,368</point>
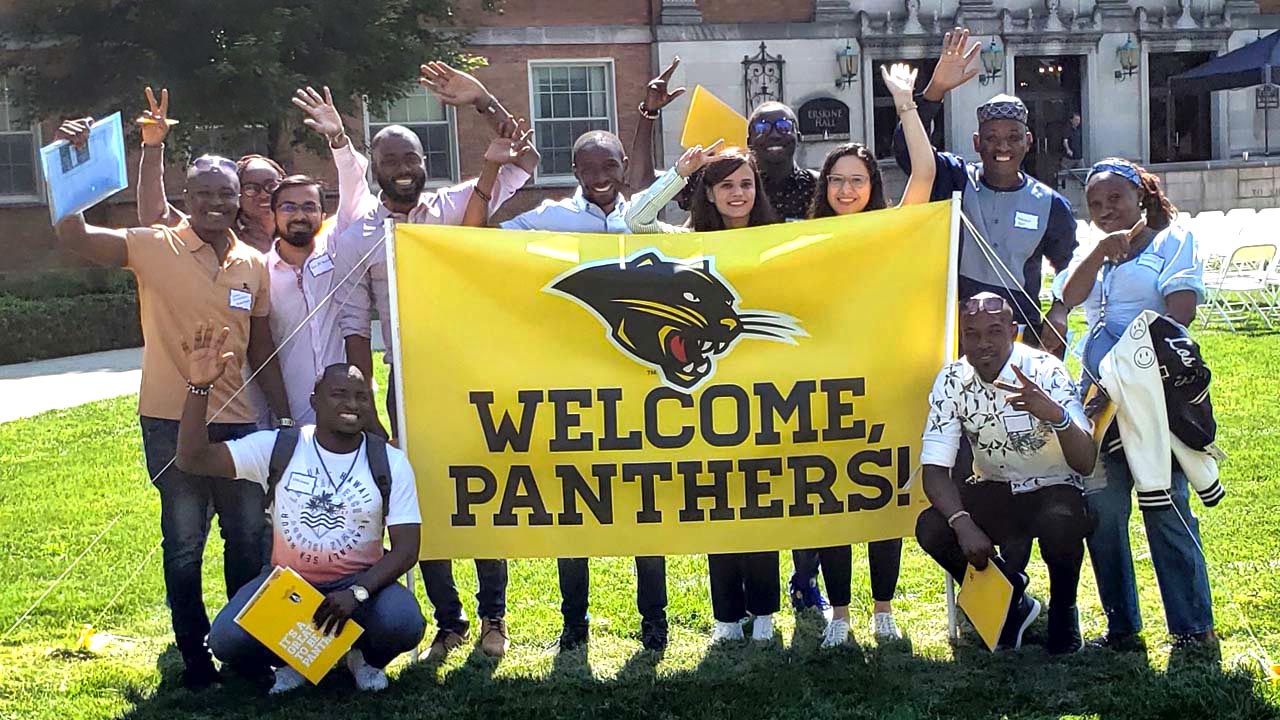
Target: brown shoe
<point>493,637</point>
<point>444,642</point>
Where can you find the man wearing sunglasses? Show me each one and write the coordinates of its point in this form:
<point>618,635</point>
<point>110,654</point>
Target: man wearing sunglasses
<point>772,132</point>
<point>1032,446</point>
<point>188,274</point>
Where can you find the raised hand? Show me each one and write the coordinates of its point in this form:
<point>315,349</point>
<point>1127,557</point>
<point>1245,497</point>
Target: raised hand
<point>205,359</point>
<point>657,94</point>
<point>452,86</point>
<point>321,114</point>
<point>900,79</point>
<point>509,149</point>
<point>1027,396</point>
<point>155,121</point>
<point>75,132</point>
<point>695,157</point>
<point>953,68</point>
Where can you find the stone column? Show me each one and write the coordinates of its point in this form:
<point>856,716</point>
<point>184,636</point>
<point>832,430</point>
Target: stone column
<point>680,12</point>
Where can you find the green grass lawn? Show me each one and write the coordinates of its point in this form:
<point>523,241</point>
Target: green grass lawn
<point>66,476</point>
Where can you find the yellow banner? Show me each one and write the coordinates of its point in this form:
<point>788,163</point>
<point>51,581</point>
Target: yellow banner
<point>766,388</point>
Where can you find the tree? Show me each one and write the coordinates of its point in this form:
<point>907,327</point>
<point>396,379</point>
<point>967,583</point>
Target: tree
<point>229,63</point>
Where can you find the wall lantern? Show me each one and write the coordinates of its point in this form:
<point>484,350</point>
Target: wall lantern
<point>1127,56</point>
<point>847,62</point>
<point>992,63</point>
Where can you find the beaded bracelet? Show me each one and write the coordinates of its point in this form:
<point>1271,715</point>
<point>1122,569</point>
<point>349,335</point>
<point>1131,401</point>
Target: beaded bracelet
<point>199,389</point>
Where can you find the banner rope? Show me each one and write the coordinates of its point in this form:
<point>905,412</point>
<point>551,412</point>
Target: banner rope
<point>358,265</point>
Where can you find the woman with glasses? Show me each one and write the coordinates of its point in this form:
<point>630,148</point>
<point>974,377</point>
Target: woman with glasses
<point>1145,262</point>
<point>850,182</point>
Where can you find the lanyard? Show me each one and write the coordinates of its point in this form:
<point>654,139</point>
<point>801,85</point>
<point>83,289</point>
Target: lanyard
<point>345,475</point>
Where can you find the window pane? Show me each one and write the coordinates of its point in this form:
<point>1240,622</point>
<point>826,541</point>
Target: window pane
<point>596,77</point>
<point>578,105</point>
<point>17,172</point>
<point>560,105</point>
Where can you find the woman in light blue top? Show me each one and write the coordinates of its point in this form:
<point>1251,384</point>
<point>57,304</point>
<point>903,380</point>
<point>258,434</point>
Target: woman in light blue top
<point>1143,263</point>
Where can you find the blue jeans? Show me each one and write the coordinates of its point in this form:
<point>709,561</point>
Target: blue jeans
<point>187,505</point>
<point>391,619</point>
<point>575,586</point>
<point>1175,553</point>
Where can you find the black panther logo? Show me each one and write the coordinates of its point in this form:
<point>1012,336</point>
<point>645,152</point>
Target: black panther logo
<point>674,317</point>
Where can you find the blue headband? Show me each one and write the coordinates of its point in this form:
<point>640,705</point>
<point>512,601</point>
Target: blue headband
<point>1116,166</point>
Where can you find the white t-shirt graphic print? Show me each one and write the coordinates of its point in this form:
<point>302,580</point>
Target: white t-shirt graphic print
<point>327,526</point>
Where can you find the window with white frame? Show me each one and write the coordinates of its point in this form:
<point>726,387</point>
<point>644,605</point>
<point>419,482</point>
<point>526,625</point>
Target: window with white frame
<point>17,149</point>
<point>568,99</point>
<point>431,121</point>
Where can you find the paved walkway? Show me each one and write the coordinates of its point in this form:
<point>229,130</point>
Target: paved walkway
<point>35,387</point>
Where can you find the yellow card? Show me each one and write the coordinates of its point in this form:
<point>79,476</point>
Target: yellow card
<point>710,119</point>
<point>279,616</point>
<point>985,597</point>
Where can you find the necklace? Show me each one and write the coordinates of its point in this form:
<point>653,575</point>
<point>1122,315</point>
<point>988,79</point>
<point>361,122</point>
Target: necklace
<point>345,475</point>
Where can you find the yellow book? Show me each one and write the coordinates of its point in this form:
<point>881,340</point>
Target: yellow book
<point>710,119</point>
<point>279,616</point>
<point>985,597</point>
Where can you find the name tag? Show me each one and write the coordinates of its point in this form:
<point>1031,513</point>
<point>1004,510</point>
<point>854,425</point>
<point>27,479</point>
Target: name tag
<point>1026,221</point>
<point>301,483</point>
<point>1018,423</point>
<point>241,300</point>
<point>320,265</point>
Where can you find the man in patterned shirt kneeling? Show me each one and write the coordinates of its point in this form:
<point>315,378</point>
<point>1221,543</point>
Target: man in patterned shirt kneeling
<point>1031,445</point>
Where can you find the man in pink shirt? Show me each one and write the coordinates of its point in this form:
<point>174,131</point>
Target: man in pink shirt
<point>359,236</point>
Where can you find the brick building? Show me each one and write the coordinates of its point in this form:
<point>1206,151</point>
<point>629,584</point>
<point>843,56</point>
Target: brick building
<point>578,66</point>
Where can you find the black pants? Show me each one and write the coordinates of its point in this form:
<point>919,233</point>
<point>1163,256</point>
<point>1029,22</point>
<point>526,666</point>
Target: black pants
<point>491,597</point>
<point>743,583</point>
<point>884,558</point>
<point>651,588</point>
<point>1056,515</point>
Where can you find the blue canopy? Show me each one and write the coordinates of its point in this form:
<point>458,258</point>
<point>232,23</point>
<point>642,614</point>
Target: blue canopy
<point>1248,66</point>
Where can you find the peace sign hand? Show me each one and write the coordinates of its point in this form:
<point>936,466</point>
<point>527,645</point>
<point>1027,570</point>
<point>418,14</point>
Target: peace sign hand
<point>155,121</point>
<point>322,115</point>
<point>1027,396</point>
<point>508,148</point>
<point>695,157</point>
<point>657,96</point>
<point>205,359</point>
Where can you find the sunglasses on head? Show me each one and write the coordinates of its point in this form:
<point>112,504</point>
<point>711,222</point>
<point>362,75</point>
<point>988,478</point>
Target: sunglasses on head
<point>782,125</point>
<point>993,305</point>
<point>210,162</point>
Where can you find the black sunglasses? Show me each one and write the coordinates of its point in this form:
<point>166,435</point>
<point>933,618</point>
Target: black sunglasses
<point>782,125</point>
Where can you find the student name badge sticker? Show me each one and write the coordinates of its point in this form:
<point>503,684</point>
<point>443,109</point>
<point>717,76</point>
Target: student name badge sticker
<point>1026,221</point>
<point>240,300</point>
<point>320,265</point>
<point>301,483</point>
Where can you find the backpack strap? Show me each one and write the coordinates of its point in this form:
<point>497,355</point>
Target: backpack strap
<point>375,447</point>
<point>281,454</point>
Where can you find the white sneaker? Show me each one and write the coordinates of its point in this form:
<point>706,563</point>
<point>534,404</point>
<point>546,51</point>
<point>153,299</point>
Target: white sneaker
<point>367,677</point>
<point>287,679</point>
<point>724,632</point>
<point>884,628</point>
<point>836,634</point>
<point>762,628</point>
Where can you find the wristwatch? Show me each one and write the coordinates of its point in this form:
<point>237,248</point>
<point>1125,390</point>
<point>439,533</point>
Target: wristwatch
<point>360,593</point>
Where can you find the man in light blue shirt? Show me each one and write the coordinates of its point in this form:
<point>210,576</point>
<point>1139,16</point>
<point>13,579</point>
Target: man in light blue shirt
<point>597,206</point>
<point>600,165</point>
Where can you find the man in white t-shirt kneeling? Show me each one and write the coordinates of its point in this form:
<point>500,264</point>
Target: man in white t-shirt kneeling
<point>328,513</point>
<point>1031,448</point>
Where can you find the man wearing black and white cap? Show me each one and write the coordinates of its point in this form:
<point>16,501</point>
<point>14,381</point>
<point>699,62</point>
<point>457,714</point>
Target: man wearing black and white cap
<point>1021,219</point>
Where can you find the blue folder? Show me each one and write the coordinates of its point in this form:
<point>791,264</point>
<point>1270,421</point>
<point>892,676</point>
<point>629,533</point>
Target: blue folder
<point>79,178</point>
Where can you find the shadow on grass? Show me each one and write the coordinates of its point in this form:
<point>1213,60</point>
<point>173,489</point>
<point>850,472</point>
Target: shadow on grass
<point>749,680</point>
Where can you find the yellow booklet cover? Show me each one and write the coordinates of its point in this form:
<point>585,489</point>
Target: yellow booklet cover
<point>984,597</point>
<point>279,616</point>
<point>710,119</point>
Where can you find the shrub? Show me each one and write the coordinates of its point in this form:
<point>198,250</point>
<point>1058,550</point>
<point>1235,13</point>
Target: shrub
<point>60,326</point>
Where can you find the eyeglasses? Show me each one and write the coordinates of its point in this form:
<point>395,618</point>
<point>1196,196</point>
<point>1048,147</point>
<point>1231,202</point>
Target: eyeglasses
<point>854,181</point>
<point>782,125</point>
<point>309,208</point>
<point>993,305</point>
<point>210,162</point>
<point>256,189</point>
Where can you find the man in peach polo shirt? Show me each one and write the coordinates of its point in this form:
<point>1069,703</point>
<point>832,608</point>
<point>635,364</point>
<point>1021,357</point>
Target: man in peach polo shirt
<point>192,273</point>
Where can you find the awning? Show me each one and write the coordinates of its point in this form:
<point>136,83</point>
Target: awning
<point>1248,66</point>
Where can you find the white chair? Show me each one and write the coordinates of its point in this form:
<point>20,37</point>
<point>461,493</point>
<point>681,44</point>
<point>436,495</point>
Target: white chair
<point>1235,290</point>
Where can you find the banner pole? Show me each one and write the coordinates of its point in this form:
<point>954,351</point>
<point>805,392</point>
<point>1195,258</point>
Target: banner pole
<point>389,245</point>
<point>950,352</point>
